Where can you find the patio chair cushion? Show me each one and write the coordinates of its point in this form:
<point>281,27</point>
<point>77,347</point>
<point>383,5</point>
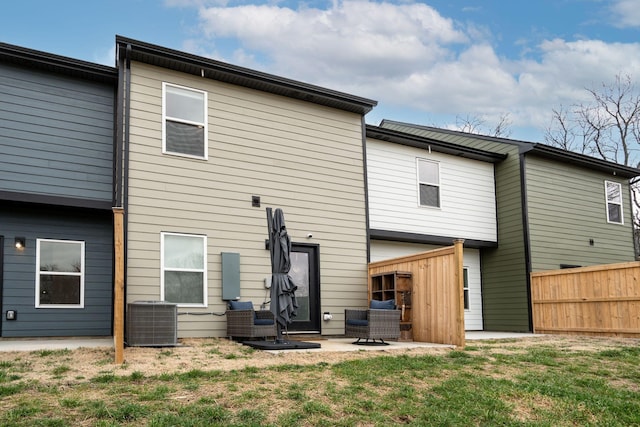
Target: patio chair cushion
<point>248,305</point>
<point>263,322</point>
<point>383,305</point>
<point>241,305</point>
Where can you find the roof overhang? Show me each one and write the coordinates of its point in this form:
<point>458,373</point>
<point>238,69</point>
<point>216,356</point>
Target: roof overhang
<point>578,159</point>
<point>216,70</point>
<point>426,239</point>
<point>58,64</point>
<point>376,132</point>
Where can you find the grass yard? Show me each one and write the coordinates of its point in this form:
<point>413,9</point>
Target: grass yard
<point>559,382</point>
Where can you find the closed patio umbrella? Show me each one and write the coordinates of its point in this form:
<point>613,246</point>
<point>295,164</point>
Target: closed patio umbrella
<point>283,299</point>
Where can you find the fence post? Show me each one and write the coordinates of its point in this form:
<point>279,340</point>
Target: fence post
<point>459,280</point>
<point>118,283</point>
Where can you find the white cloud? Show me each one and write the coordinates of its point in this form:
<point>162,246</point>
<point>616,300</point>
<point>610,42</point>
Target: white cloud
<point>408,55</point>
<point>106,57</point>
<point>353,40</point>
<point>626,13</point>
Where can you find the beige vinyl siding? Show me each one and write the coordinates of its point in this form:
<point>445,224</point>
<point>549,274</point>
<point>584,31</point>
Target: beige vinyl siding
<point>567,208</point>
<point>298,156</point>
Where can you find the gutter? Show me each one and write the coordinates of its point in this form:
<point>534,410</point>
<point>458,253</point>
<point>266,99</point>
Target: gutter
<point>525,235</point>
<point>366,190</point>
<point>398,137</point>
<point>240,76</point>
<point>578,159</point>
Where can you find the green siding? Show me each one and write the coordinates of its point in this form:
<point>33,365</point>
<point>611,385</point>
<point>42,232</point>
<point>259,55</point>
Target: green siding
<point>504,280</point>
<point>559,230</point>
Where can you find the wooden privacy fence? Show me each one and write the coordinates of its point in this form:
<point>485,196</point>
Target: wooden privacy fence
<point>437,294</point>
<point>598,300</point>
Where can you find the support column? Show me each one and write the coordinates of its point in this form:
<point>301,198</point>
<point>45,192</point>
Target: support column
<point>459,275</point>
<point>118,282</point>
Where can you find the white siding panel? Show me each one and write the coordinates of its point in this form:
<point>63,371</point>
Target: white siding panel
<point>467,192</point>
<point>381,250</point>
<point>301,157</point>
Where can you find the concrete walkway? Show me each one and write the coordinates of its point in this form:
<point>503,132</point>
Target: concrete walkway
<point>329,344</point>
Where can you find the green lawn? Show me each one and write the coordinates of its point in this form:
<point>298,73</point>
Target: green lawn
<point>494,383</point>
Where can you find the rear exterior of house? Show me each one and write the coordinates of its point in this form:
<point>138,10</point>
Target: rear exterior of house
<point>56,190</point>
<point>424,194</point>
<point>554,210</point>
<point>209,147</point>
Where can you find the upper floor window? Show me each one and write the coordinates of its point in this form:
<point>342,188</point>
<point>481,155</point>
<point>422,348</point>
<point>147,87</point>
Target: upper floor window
<point>60,276</point>
<point>183,272</point>
<point>184,117</point>
<point>614,202</point>
<point>429,183</point>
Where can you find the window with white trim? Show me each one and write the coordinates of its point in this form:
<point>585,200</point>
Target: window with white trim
<point>428,183</point>
<point>465,275</point>
<point>183,269</point>
<point>60,275</point>
<point>613,193</point>
<point>184,118</point>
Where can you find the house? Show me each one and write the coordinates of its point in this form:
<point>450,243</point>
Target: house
<point>56,192</point>
<point>206,148</point>
<point>555,209</point>
<point>424,194</point>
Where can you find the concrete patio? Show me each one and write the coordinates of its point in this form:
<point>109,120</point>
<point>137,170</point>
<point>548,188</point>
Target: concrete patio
<point>327,344</point>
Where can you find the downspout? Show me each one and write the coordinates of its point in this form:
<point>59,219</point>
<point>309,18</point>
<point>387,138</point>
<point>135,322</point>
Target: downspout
<point>526,237</point>
<point>366,190</point>
<point>632,204</point>
<point>125,148</point>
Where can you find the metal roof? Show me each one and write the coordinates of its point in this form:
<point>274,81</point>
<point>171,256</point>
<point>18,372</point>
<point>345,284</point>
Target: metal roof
<point>216,70</point>
<point>533,148</point>
<point>433,144</point>
<point>55,63</point>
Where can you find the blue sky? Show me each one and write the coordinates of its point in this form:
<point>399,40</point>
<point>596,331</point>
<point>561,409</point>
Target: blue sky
<point>425,62</point>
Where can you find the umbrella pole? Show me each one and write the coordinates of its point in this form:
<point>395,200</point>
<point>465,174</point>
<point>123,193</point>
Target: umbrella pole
<point>270,229</point>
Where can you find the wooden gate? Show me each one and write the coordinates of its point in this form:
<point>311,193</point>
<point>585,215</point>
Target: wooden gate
<point>597,300</point>
<point>437,296</point>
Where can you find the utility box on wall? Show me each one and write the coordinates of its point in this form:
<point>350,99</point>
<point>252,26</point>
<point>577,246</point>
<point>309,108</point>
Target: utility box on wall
<point>230,276</point>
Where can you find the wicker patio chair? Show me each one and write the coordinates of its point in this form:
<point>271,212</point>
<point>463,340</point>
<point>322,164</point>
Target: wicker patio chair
<point>244,322</point>
<point>372,324</point>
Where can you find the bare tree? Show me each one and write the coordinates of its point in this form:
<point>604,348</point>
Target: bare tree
<point>607,127</point>
<point>477,125</point>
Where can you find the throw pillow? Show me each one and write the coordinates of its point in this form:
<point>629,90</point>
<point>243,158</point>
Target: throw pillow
<point>383,305</point>
<point>241,305</point>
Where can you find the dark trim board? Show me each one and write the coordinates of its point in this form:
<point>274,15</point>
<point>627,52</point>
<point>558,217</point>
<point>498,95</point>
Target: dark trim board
<point>42,199</point>
<point>399,236</point>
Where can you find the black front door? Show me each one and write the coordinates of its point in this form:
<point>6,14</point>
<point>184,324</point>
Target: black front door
<point>305,272</point>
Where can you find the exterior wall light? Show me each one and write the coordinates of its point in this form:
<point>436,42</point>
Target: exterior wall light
<point>20,242</point>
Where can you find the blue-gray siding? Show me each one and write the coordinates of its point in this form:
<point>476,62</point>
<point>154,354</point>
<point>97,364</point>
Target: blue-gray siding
<point>56,134</point>
<point>18,292</point>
